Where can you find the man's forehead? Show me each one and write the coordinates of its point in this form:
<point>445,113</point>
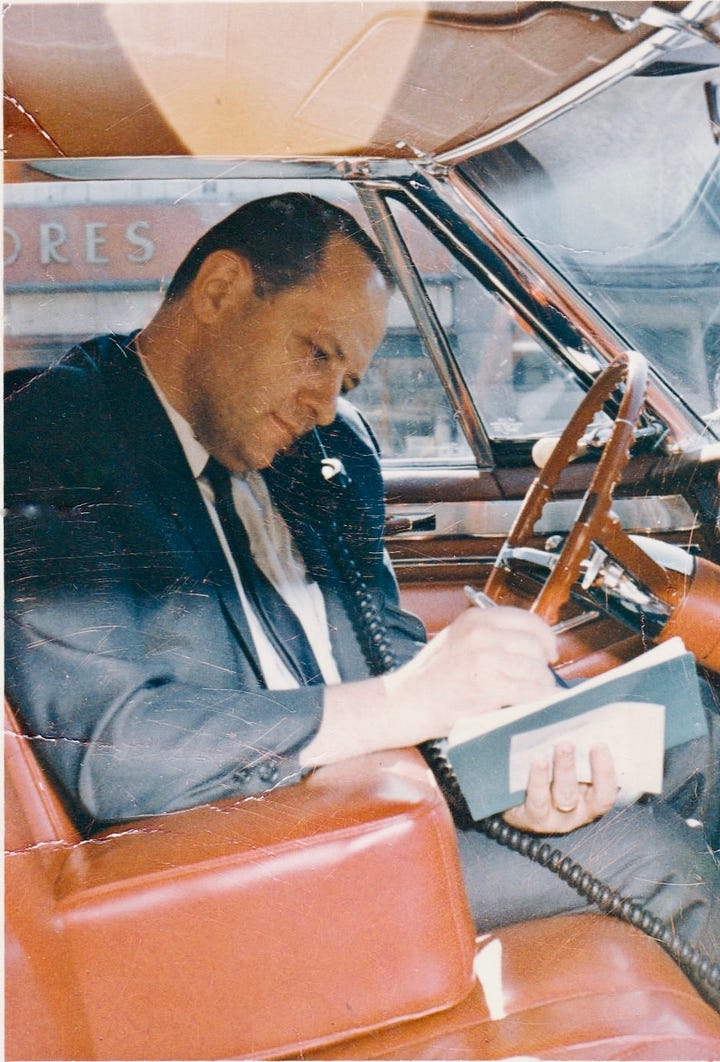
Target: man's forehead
<point>347,279</point>
<point>346,254</point>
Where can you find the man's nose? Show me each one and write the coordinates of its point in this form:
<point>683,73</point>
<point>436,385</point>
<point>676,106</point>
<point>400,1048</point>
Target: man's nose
<point>323,399</point>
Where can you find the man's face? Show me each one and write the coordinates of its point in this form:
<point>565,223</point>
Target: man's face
<point>273,367</point>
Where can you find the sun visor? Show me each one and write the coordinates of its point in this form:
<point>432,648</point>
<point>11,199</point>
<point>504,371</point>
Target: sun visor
<point>287,79</point>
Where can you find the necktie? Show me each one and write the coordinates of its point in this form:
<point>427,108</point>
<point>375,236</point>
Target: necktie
<point>281,625</point>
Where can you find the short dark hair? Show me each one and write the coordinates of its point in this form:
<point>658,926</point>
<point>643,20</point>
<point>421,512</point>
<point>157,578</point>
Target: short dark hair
<point>283,237</point>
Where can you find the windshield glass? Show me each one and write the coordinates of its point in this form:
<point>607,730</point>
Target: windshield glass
<point>622,193</point>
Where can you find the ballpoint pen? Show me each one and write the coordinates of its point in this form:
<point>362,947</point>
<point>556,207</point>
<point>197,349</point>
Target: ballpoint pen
<point>479,598</point>
<point>483,600</point>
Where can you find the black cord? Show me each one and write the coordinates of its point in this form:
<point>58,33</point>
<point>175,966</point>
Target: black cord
<point>607,900</point>
<point>373,637</point>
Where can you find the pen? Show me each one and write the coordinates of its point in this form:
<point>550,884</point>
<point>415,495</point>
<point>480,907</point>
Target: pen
<point>483,600</point>
<point>479,598</point>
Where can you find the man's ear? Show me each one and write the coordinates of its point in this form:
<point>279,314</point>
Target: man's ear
<point>223,281</point>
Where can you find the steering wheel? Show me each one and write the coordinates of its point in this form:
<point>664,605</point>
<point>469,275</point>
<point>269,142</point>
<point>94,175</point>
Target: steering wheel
<point>594,521</point>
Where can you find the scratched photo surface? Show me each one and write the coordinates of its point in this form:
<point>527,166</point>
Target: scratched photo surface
<point>362,396</point>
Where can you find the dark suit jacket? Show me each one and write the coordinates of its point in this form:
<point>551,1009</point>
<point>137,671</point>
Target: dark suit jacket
<point>128,654</point>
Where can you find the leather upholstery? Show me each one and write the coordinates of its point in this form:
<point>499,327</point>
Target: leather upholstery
<point>570,987</point>
<point>238,929</point>
<point>322,920</point>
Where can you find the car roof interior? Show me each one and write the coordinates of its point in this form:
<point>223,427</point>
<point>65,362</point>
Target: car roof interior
<point>394,79</point>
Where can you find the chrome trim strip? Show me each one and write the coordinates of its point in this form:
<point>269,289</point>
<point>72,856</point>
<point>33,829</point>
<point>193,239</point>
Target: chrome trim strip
<point>474,559</point>
<point>480,518</point>
<point>193,167</point>
<point>427,323</point>
<point>576,621</point>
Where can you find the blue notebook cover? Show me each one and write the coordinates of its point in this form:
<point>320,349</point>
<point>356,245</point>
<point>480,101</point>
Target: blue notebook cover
<point>664,675</point>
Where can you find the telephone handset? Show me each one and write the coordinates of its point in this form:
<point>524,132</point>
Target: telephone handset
<point>377,648</point>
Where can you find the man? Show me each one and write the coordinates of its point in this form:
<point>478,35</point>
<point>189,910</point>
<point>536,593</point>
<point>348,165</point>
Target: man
<point>141,649</point>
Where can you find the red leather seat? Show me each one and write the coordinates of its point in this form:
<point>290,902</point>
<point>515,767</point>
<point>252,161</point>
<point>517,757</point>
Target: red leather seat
<point>325,920</point>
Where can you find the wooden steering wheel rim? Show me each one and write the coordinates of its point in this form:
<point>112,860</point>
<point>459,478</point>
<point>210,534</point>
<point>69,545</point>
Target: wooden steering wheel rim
<point>593,520</point>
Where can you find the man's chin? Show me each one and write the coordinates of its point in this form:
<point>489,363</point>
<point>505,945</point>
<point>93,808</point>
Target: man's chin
<point>286,449</point>
<point>255,460</point>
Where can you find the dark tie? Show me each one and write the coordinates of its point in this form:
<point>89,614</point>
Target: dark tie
<point>281,625</point>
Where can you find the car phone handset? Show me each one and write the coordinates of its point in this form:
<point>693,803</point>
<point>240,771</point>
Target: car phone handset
<point>375,643</point>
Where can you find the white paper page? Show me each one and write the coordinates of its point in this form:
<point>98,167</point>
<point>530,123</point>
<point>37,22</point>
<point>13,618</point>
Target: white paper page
<point>633,731</point>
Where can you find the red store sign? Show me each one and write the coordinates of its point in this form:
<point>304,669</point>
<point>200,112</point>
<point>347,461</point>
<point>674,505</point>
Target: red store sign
<point>83,245</point>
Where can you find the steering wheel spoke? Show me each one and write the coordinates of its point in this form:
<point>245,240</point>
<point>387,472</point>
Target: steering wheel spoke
<point>646,571</point>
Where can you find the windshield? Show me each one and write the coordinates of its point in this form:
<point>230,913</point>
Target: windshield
<point>622,194</point>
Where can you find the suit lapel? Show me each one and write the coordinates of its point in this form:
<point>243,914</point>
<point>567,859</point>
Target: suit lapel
<point>162,475</point>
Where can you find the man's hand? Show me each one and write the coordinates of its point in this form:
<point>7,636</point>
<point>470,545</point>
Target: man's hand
<point>485,659</point>
<point>482,661</point>
<point>563,804</point>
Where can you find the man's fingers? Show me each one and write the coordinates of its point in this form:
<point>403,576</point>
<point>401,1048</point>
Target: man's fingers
<point>604,778</point>
<point>514,627</point>
<point>564,804</point>
<point>538,802</point>
<point>565,789</point>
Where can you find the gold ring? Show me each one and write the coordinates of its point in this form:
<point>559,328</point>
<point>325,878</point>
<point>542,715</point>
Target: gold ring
<point>566,810</point>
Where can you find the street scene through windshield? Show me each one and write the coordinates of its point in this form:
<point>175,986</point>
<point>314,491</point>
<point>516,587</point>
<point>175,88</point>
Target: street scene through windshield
<point>623,195</point>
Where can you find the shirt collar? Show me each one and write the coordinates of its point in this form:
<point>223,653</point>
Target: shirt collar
<point>196,454</point>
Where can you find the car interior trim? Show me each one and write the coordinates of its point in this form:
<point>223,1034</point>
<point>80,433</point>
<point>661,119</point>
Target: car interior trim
<point>669,36</point>
<point>650,515</point>
<point>428,325</point>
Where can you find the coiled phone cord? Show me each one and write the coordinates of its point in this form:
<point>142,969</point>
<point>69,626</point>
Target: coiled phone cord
<point>374,640</point>
<point>590,888</point>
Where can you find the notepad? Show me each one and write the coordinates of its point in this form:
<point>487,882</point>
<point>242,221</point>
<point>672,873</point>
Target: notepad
<point>639,709</point>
